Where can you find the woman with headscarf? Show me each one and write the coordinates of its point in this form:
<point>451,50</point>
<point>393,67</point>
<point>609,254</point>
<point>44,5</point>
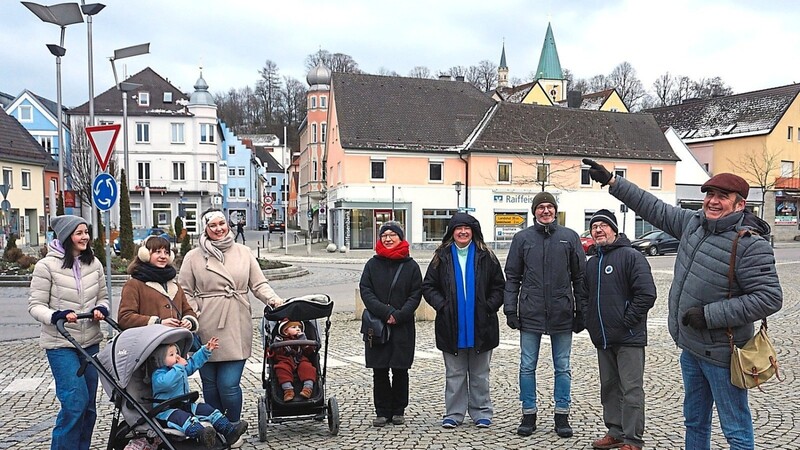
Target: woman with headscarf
<point>391,290</point>
<point>152,294</point>
<point>216,277</point>
<point>67,282</point>
<point>464,283</point>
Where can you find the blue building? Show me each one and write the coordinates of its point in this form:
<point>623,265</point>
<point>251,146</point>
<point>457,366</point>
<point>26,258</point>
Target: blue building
<point>274,187</point>
<point>240,182</point>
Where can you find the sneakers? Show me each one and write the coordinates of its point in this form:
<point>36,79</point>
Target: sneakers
<point>562,426</point>
<point>607,441</point>
<point>239,429</point>
<point>306,393</point>
<point>528,425</point>
<point>449,423</point>
<point>288,395</point>
<point>483,423</point>
<point>380,422</point>
<point>398,420</point>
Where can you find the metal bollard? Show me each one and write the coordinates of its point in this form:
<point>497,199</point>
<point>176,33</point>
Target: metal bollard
<point>258,244</point>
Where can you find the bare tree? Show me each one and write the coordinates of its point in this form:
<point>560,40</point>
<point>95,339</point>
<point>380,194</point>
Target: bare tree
<point>483,76</point>
<point>336,62</point>
<point>420,72</point>
<point>268,89</point>
<point>710,87</point>
<point>682,91</point>
<point>760,169</point>
<point>293,101</point>
<point>387,73</point>
<point>457,71</point>
<point>663,87</point>
<point>628,85</point>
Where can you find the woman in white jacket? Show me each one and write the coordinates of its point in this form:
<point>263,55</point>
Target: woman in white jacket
<point>67,282</point>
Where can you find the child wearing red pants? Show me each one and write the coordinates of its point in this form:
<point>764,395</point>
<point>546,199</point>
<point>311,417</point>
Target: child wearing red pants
<point>293,359</point>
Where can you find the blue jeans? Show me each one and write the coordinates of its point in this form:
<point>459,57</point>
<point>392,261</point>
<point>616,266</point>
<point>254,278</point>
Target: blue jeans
<point>705,385</point>
<point>529,357</point>
<point>78,395</point>
<point>222,387</point>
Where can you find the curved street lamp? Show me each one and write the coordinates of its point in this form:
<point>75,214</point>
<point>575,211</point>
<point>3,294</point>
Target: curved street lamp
<point>125,87</point>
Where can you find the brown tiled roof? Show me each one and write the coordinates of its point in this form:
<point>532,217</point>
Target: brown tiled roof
<point>725,117</point>
<point>521,128</point>
<point>110,102</point>
<point>406,113</point>
<point>17,144</point>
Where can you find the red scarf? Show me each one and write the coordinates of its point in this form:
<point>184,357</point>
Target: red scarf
<point>399,251</point>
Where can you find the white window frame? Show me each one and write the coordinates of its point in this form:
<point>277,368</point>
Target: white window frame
<point>167,98</point>
<point>47,143</point>
<point>660,178</point>
<point>241,172</point>
<point>323,101</point>
<point>313,133</point>
<point>314,169</point>
<point>585,175</point>
<point>503,164</point>
<point>621,172</point>
<point>142,132</point>
<point>789,133</point>
<point>208,171</point>
<point>313,102</point>
<point>787,169</point>
<point>231,172</point>
<point>8,177</point>
<point>25,180</point>
<point>143,99</point>
<point>547,174</point>
<point>177,133</point>
<point>179,171</point>
<point>143,179</point>
<point>231,192</point>
<point>382,163</point>
<point>431,164</point>
<point>323,132</point>
<point>21,115</point>
<point>242,193</point>
<point>206,133</point>
<point>231,149</point>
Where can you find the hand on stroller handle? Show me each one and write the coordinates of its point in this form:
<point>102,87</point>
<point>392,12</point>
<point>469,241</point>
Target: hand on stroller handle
<point>89,315</point>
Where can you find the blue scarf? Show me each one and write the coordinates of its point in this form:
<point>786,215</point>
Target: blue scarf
<point>466,297</point>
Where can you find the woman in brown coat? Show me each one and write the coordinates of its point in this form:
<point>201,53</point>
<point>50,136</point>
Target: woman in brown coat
<point>216,277</point>
<point>153,295</point>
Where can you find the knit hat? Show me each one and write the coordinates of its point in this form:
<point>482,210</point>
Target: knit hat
<point>727,182</point>
<point>543,197</point>
<point>395,226</point>
<point>605,216</point>
<point>65,225</point>
<point>288,324</point>
<point>460,219</point>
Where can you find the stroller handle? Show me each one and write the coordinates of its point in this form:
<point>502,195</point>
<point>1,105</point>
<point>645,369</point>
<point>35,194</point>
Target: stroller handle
<point>90,315</point>
<point>292,343</point>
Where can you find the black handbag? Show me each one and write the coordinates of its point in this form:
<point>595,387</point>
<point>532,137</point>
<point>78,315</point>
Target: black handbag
<point>375,330</point>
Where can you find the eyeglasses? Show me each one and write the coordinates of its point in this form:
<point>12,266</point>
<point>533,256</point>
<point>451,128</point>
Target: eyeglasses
<point>545,207</point>
<point>600,226</point>
<point>388,235</point>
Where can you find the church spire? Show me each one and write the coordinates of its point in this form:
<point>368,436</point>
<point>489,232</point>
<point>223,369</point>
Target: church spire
<point>502,69</point>
<point>549,65</point>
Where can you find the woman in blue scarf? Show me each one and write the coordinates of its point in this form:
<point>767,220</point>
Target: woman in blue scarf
<point>464,284</point>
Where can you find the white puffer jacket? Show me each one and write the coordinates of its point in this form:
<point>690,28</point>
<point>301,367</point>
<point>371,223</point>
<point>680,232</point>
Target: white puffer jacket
<point>54,289</point>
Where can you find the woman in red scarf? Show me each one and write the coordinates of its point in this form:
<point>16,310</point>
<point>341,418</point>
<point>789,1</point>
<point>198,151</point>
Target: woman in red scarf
<point>391,288</point>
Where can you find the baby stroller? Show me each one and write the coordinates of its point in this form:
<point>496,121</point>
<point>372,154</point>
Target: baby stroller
<point>125,379</point>
<point>271,407</point>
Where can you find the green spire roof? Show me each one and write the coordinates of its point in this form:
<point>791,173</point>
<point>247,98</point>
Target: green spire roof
<point>549,65</point>
<point>503,58</point>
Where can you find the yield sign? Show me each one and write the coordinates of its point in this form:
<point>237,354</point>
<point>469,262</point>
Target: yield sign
<point>102,138</point>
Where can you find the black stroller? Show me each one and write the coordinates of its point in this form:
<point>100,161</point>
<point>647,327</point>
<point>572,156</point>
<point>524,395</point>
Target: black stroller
<point>271,407</point>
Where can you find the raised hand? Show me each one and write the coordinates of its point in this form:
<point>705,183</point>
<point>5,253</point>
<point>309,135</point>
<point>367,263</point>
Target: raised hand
<point>597,172</point>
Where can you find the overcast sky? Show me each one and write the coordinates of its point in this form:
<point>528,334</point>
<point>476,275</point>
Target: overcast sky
<point>751,45</point>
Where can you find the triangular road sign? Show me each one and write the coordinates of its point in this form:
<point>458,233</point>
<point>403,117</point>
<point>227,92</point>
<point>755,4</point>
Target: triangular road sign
<point>102,138</point>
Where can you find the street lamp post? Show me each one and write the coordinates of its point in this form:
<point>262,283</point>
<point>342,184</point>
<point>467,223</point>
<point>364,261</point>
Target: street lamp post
<point>126,87</point>
<point>62,15</point>
<point>458,185</point>
<point>90,10</point>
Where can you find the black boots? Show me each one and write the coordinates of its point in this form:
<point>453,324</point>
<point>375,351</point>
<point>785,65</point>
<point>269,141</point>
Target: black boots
<point>231,431</point>
<point>562,426</point>
<point>204,435</point>
<point>528,425</point>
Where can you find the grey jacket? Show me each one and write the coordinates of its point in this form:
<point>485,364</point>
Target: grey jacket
<point>544,276</point>
<point>701,273</point>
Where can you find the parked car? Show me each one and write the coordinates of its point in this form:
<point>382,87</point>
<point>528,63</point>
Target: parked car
<point>277,226</point>
<point>587,242</point>
<point>140,233</point>
<point>655,242</point>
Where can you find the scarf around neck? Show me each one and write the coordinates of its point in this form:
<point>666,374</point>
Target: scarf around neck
<point>218,248</point>
<point>465,296</point>
<point>148,272</point>
<point>400,251</point>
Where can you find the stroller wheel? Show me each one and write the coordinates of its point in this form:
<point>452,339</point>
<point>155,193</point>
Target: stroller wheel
<point>262,419</point>
<point>333,416</point>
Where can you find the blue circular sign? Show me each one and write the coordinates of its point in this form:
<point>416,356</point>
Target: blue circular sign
<point>104,191</point>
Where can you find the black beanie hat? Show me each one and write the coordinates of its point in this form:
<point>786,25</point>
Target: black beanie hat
<point>543,197</point>
<point>606,216</point>
<point>392,225</point>
<point>460,219</point>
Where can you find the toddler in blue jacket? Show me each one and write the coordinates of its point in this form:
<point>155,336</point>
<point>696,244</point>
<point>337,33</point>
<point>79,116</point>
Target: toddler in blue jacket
<point>171,379</point>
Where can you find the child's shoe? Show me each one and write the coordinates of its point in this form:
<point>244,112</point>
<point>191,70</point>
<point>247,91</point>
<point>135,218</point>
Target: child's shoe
<point>306,392</point>
<point>231,431</point>
<point>288,395</point>
<point>205,435</point>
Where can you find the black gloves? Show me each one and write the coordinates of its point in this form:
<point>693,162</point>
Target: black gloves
<point>597,172</point>
<point>60,314</point>
<point>103,310</point>
<point>695,318</point>
<point>577,322</point>
<point>513,321</point>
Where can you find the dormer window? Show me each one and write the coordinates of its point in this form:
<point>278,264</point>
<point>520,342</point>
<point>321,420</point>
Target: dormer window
<point>144,99</point>
<point>167,97</point>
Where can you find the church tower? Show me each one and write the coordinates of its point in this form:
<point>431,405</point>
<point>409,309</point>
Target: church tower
<point>549,73</point>
<point>502,69</point>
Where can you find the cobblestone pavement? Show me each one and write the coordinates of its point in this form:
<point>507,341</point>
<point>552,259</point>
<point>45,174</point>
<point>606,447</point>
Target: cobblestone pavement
<point>27,395</point>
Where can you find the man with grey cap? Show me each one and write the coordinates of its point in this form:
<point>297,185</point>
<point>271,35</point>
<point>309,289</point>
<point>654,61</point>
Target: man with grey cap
<point>712,302</point>
<point>620,293</point>
<point>544,279</point>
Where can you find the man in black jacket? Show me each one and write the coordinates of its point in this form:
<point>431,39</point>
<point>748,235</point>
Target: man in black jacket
<point>620,292</point>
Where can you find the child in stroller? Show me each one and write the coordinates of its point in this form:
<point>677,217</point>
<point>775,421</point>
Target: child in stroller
<point>291,360</point>
<point>170,378</point>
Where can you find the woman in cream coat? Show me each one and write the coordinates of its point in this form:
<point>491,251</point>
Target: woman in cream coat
<point>216,277</point>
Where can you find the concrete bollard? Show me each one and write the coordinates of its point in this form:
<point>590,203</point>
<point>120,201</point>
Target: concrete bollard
<point>424,310</point>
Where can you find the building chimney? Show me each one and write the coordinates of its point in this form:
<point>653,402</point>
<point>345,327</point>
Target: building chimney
<point>444,76</point>
<point>574,99</point>
<point>459,77</point>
